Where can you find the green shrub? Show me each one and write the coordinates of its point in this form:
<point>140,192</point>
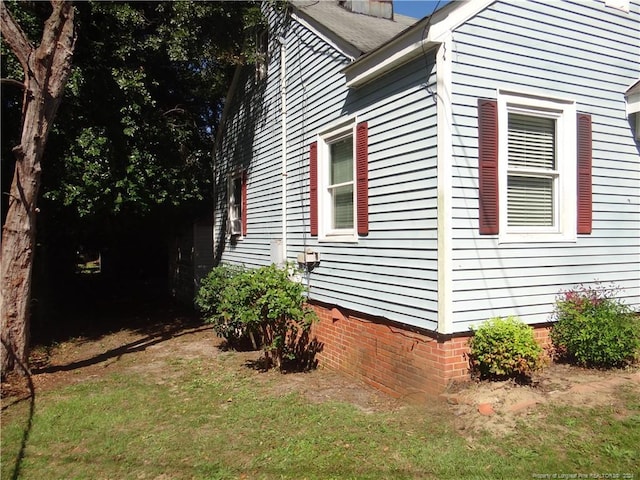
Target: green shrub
<point>504,347</point>
<point>263,304</point>
<point>208,300</point>
<point>594,328</point>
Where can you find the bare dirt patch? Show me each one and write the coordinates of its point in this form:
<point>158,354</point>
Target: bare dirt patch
<point>497,406</point>
<point>150,349</point>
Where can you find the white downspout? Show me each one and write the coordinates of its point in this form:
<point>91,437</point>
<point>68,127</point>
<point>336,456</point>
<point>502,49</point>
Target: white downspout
<point>283,113</point>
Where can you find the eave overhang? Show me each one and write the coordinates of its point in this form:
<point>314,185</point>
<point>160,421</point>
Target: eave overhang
<point>413,42</point>
<point>632,96</point>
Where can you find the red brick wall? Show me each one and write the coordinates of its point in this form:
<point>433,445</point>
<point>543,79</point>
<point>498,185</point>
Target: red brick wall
<point>403,363</point>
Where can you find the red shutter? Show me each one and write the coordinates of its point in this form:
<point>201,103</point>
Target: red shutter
<point>313,187</point>
<point>362,177</point>
<point>488,166</point>
<point>585,215</point>
<point>244,203</point>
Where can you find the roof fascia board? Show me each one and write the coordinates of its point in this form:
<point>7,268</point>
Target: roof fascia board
<point>326,34</point>
<point>412,42</point>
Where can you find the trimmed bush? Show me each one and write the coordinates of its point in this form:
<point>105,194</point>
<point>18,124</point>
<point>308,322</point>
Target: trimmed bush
<point>594,328</point>
<point>503,348</point>
<point>208,300</point>
<point>262,304</point>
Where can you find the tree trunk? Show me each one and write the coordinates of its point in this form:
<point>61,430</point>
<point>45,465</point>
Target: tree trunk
<point>46,70</point>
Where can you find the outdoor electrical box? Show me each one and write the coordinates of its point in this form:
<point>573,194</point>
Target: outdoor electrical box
<point>309,259</point>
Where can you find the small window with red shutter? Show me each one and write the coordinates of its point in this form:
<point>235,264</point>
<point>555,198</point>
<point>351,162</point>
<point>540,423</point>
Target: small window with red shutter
<point>237,194</point>
<point>338,176</point>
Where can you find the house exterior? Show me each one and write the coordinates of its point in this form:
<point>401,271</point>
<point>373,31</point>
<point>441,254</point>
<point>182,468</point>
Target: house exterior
<point>429,175</point>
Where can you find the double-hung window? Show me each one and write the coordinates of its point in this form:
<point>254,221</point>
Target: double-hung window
<point>339,182</point>
<point>340,187</point>
<point>532,173</point>
<point>535,168</point>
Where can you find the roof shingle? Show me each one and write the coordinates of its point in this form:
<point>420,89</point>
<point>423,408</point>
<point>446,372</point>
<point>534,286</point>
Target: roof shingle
<point>364,32</point>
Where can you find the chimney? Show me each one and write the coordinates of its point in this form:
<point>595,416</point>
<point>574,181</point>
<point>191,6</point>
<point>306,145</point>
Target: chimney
<point>373,8</point>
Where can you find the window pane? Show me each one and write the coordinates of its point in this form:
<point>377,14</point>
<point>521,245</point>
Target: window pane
<point>343,206</point>
<point>237,189</point>
<point>532,142</point>
<point>530,201</point>
<point>341,161</point>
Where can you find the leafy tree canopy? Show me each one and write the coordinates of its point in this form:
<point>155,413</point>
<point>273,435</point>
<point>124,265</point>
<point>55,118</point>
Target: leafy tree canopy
<point>135,131</point>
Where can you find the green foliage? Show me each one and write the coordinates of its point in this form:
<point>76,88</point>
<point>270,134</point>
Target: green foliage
<point>129,156</point>
<point>134,133</point>
<point>262,303</point>
<point>594,328</point>
<point>208,300</point>
<point>505,347</point>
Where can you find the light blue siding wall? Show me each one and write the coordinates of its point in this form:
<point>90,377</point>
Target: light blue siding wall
<point>582,51</point>
<point>251,141</point>
<point>392,272</point>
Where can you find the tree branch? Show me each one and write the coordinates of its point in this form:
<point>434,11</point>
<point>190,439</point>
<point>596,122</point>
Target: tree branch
<point>176,109</point>
<point>57,45</point>
<point>15,37</point>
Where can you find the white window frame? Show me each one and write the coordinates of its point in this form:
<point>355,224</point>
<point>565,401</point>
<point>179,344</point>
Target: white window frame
<point>326,233</point>
<point>563,111</point>
<point>232,202</point>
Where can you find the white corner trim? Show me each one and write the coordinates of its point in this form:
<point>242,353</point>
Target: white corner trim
<point>445,184</point>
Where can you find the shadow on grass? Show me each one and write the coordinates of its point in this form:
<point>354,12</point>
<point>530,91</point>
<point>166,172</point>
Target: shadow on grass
<point>94,307</point>
<point>32,408</point>
<point>132,347</point>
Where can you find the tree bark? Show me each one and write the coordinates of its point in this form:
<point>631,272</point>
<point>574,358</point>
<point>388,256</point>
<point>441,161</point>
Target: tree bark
<point>46,70</point>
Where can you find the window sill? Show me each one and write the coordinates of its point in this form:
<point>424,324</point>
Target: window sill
<point>338,239</point>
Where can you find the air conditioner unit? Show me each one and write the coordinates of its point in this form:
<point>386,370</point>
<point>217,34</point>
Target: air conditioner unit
<point>236,227</point>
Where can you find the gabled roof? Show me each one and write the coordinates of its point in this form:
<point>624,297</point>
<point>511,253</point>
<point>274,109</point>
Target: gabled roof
<point>413,41</point>
<point>355,33</point>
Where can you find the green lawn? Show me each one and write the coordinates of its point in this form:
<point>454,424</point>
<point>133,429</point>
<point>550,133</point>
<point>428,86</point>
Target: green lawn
<point>198,421</point>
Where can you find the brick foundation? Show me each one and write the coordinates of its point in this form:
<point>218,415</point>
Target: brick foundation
<point>414,365</point>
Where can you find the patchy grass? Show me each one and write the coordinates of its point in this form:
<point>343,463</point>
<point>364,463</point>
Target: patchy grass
<point>213,418</point>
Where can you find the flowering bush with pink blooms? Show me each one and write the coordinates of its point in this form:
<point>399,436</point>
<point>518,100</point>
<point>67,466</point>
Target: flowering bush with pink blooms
<point>595,328</point>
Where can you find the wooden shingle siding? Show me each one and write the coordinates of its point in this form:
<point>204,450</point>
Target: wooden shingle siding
<point>576,50</point>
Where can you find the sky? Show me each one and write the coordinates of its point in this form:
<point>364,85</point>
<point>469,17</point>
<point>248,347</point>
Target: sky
<point>416,8</point>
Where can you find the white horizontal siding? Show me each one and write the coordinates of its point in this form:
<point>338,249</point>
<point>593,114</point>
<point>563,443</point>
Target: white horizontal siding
<point>581,51</point>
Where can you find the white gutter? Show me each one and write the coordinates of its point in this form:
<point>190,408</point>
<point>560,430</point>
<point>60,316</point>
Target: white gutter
<point>444,78</point>
<point>283,113</point>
